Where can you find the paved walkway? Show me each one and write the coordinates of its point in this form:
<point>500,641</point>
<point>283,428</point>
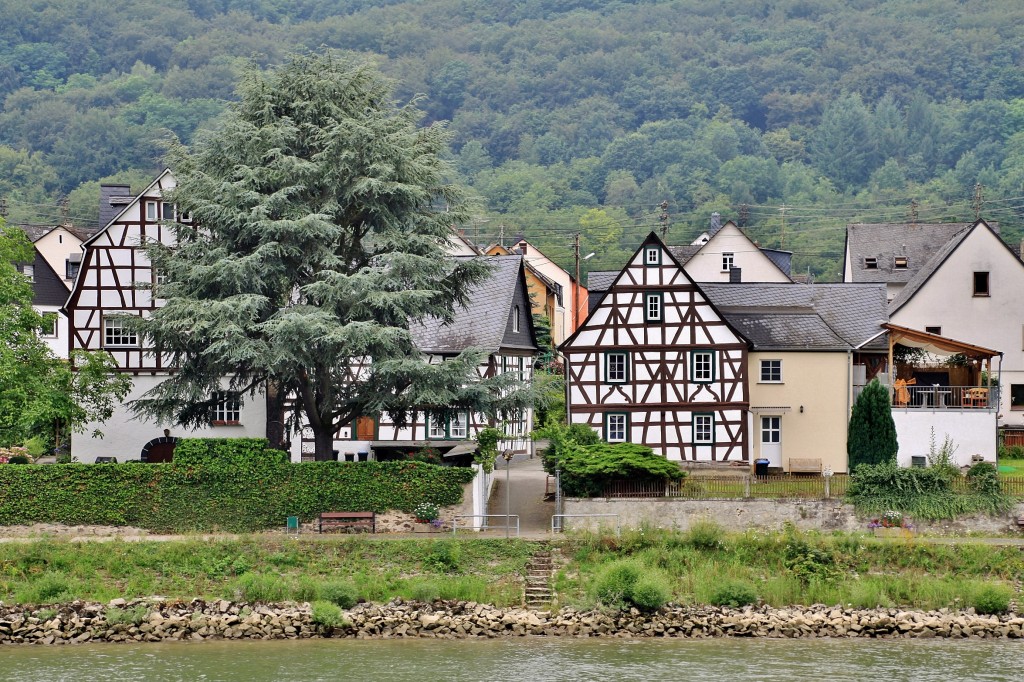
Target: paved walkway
<point>523,494</point>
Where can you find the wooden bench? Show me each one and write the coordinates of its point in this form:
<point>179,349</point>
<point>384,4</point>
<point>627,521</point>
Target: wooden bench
<point>348,520</point>
<point>805,465</point>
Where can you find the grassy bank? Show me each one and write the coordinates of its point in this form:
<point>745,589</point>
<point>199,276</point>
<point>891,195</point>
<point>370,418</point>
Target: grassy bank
<point>702,566</point>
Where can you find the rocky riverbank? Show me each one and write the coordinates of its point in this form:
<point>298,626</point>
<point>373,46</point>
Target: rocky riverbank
<point>155,620</point>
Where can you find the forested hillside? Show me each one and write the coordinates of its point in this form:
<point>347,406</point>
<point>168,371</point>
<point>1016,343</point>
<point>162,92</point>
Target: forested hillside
<point>792,117</point>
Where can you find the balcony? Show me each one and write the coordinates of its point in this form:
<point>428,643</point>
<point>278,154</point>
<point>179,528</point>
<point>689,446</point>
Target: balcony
<point>938,397</point>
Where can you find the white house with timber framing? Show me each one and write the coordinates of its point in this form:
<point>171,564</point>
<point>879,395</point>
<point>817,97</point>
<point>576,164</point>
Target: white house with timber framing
<point>657,363</point>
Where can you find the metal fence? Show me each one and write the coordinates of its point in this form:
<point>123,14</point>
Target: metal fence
<point>776,487</point>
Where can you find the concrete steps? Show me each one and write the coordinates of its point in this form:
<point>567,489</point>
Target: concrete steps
<point>539,570</point>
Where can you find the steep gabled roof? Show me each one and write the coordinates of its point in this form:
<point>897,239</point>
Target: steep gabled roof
<point>804,317</point>
<point>483,322</point>
<point>937,260</point>
<point>885,241</point>
<point>685,253</point>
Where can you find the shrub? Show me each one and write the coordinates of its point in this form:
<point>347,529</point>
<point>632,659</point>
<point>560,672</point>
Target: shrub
<point>49,588</point>
<point>992,599</point>
<point>257,587</point>
<point>651,592</point>
<point>923,493</point>
<point>425,591</point>
<point>340,593</point>
<point>133,616</point>
<point>614,584</point>
<point>871,436</point>
<point>705,535</point>
<point>306,589</point>
<point>444,556</point>
<point>560,438</point>
<point>983,477</point>
<point>586,471</point>
<point>328,616</point>
<point>734,593</point>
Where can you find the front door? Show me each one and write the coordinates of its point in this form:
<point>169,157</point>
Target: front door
<point>161,452</point>
<point>771,440</point>
<point>366,428</point>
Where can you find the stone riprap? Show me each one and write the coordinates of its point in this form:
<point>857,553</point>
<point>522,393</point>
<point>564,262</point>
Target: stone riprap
<point>159,621</point>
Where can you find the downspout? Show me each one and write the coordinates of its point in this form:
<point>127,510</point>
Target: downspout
<point>849,403</point>
<point>999,403</point>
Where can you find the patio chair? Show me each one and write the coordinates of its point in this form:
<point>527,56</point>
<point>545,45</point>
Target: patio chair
<point>975,397</point>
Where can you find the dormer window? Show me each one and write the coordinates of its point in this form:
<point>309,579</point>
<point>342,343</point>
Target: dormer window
<point>900,263</point>
<point>652,255</point>
<point>870,263</point>
<point>728,260</point>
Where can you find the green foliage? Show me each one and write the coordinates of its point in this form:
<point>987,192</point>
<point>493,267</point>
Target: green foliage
<point>984,478</point>
<point>872,432</point>
<point>260,587</point>
<point>991,599</point>
<point>228,453</point>
<point>808,562</point>
<point>705,535</point>
<point>924,493</point>
<point>340,592</point>
<point>328,615</point>
<point>444,557</point>
<point>126,616</point>
<point>249,494</point>
<point>560,439</point>
<point>586,471</point>
<point>487,450</point>
<point>49,588</point>
<point>733,593</point>
<point>629,582</point>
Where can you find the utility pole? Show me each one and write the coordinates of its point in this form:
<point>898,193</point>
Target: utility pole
<point>744,214</point>
<point>978,189</point>
<point>501,235</point>
<point>913,211</point>
<point>65,212</point>
<point>663,218</point>
<point>3,208</point>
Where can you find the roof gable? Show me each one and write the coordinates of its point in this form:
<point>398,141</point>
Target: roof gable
<point>777,260</point>
<point>884,242</point>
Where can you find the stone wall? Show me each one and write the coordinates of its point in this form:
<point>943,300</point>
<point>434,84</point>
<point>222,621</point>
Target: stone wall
<point>157,621</point>
<point>826,515</point>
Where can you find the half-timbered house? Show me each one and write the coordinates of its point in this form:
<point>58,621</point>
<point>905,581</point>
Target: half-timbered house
<point>656,363</point>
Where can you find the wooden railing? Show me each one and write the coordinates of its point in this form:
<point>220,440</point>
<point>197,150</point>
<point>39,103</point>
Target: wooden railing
<point>774,487</point>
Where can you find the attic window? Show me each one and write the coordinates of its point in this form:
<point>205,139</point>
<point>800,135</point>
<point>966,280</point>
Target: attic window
<point>728,260</point>
<point>870,263</point>
<point>652,255</point>
<point>981,287</point>
<point>900,263</point>
<point>515,320</point>
<point>934,330</point>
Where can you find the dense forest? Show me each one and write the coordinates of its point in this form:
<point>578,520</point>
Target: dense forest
<point>792,117</point>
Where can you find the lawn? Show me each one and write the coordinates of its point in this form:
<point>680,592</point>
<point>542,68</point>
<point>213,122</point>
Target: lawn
<point>1011,467</point>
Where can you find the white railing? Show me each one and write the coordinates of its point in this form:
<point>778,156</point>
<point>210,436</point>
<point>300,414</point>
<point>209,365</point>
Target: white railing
<point>557,526</point>
<point>507,527</point>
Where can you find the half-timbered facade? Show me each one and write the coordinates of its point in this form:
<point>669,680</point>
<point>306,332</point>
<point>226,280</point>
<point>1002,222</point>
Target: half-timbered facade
<point>497,320</point>
<point>656,363</point>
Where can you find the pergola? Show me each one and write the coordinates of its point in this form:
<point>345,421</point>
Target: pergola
<point>941,345</point>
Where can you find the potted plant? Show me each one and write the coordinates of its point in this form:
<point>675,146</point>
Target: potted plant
<point>891,524</point>
<point>428,512</point>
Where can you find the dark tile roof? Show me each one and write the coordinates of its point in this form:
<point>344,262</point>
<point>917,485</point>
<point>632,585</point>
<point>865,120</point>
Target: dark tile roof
<point>685,253</point>
<point>47,288</point>
<point>36,232</point>
<point>113,199</point>
<point>782,259</point>
<point>484,320</point>
<point>884,241</point>
<point>803,316</point>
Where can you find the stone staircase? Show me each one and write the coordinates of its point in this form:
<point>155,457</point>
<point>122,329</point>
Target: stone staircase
<point>538,580</point>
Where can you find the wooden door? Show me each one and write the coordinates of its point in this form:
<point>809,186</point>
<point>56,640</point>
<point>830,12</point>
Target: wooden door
<point>366,428</point>
<point>161,452</point>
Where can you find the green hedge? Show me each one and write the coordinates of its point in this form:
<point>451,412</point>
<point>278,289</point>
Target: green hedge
<point>236,491</point>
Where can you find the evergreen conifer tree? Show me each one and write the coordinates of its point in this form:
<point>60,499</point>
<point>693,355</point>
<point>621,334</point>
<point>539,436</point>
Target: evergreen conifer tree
<point>321,212</point>
<point>871,437</point>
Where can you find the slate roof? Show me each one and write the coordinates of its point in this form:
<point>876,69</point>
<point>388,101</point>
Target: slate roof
<point>47,288</point>
<point>685,253</point>
<point>782,259</point>
<point>884,241</point>
<point>803,316</point>
<point>482,323</point>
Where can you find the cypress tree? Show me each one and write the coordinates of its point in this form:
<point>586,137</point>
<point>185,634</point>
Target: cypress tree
<point>871,438</point>
<point>321,212</point>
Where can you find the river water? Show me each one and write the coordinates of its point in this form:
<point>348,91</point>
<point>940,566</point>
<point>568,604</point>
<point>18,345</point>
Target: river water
<point>532,659</point>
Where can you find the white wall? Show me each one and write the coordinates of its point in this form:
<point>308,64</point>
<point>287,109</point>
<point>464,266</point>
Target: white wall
<point>124,437</point>
<point>997,321</point>
<point>706,265</point>
<point>972,432</point>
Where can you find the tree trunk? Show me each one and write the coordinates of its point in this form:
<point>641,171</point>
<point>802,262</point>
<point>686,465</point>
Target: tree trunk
<point>324,443</point>
<point>275,416</point>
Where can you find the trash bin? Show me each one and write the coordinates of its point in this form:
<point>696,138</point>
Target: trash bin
<point>761,467</point>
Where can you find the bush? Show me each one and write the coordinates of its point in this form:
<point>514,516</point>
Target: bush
<point>328,616</point>
<point>444,556</point>
<point>133,616</point>
<point>705,535</point>
<point>425,591</point>
<point>340,593</point>
<point>19,459</point>
<point>992,599</point>
<point>560,438</point>
<point>651,592</point>
<point>734,593</point>
<point>627,582</point>
<point>49,588</point>
<point>257,587</point>
<point>586,471</point>
<point>983,477</point>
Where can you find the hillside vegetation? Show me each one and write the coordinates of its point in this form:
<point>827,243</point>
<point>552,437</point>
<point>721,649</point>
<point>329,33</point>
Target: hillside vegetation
<point>792,117</point>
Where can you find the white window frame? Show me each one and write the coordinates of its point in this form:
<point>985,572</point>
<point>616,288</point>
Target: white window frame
<point>652,255</point>
<point>49,332</point>
<point>115,333</point>
<point>900,262</point>
<point>616,427</point>
<point>228,411</point>
<point>698,373</point>
<point>772,366</point>
<point>458,426</point>
<point>703,429</point>
<point>29,271</point>
<point>653,307</point>
<point>771,429</point>
<point>728,261</point>
<point>617,377</point>
<point>516,323</point>
<point>436,428</point>
<point>152,212</point>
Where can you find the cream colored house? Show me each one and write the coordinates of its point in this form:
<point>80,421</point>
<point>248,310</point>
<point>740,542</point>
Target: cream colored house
<point>726,254</point>
<point>805,343</point>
